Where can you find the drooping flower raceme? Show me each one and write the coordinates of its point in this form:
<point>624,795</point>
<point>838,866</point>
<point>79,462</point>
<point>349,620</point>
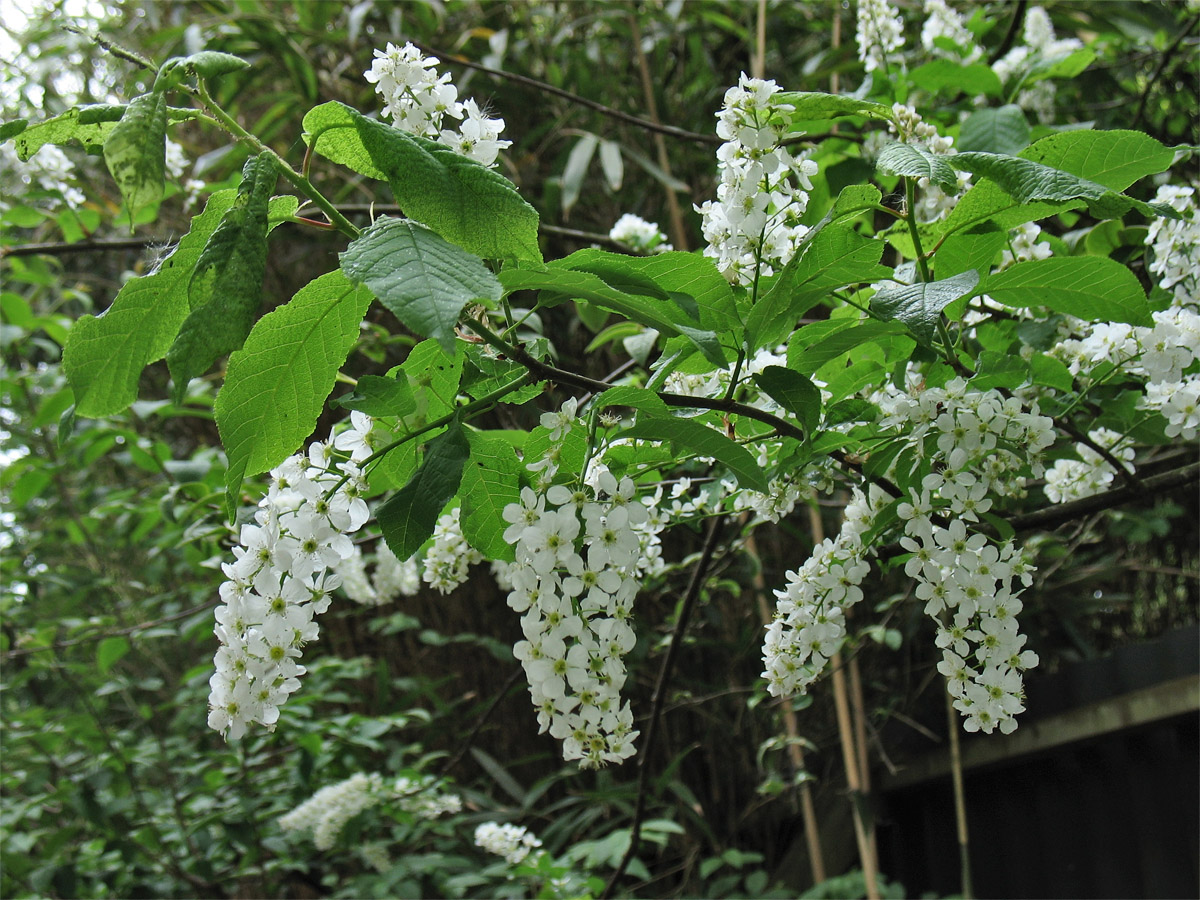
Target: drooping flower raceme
<point>943,23</point>
<point>513,842</point>
<point>1175,245</point>
<point>574,582</point>
<point>326,812</point>
<point>280,579</point>
<point>419,101</point>
<point>754,224</point>
<point>450,557</point>
<point>810,617</point>
<point>879,34</point>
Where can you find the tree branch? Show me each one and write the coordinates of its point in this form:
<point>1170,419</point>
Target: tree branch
<point>543,87</point>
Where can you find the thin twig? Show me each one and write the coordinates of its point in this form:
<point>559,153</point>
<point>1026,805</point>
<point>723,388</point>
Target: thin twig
<point>1124,472</point>
<point>1010,37</point>
<point>1160,68</point>
<point>543,87</point>
<point>101,635</point>
<point>692,594</point>
<point>92,245</point>
<point>479,723</point>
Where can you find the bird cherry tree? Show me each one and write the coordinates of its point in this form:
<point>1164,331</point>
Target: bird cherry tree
<point>914,344</point>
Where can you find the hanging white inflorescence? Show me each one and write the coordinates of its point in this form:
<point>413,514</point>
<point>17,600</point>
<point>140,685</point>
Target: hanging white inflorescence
<point>879,34</point>
<point>754,224</point>
<point>419,101</point>
<point>574,582</point>
<point>283,573</point>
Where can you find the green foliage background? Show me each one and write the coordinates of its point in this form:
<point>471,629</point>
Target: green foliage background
<point>114,528</point>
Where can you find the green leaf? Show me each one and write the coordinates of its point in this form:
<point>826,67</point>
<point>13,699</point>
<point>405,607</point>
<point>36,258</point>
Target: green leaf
<point>424,280</point>
<point>1002,130</point>
<point>919,306</point>
<point>835,257</point>
<point>812,106</point>
<point>944,74</point>
<point>1093,288</point>
<point>213,64</point>
<point>276,385</point>
<point>225,290</point>
<point>105,355</point>
<point>575,171</point>
<point>490,481</point>
<point>1067,66</point>
<point>705,442</point>
<point>635,397</point>
<point>1025,180</point>
<point>135,152</point>
<point>1114,159</point>
<point>914,161</point>
<point>89,125</point>
<point>793,392</point>
<point>1051,372</point>
<point>675,272</point>
<point>999,370</point>
<point>586,286</point>
<point>379,396</point>
<point>974,249</point>
<point>409,515</point>
<point>466,203</point>
<point>819,343</point>
<point>109,651</point>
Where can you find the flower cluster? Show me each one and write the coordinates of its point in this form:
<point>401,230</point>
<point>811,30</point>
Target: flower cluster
<point>282,575</point>
<point>326,812</point>
<point>810,618</point>
<point>423,797</point>
<point>753,225</point>
<point>1074,479</point>
<point>449,558</point>
<point>574,582</point>
<point>513,842</point>
<point>908,125</point>
<point>638,234</point>
<point>1040,45</point>
<point>982,442</point>
<point>1023,245</point>
<point>966,582</point>
<point>1175,245</point>
<point>1165,355</point>
<point>391,577</point>
<point>418,101</point>
<point>880,33</point>
<point>944,24</point>
<point>50,169</point>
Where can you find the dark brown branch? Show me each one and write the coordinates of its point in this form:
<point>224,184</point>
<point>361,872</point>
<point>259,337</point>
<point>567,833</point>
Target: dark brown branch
<point>692,594</point>
<point>1010,37</point>
<point>1053,516</point>
<point>92,245</point>
<point>669,130</point>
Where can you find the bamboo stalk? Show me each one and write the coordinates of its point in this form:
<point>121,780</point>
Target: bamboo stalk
<point>678,232</point>
<point>850,756</point>
<point>960,800</point>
